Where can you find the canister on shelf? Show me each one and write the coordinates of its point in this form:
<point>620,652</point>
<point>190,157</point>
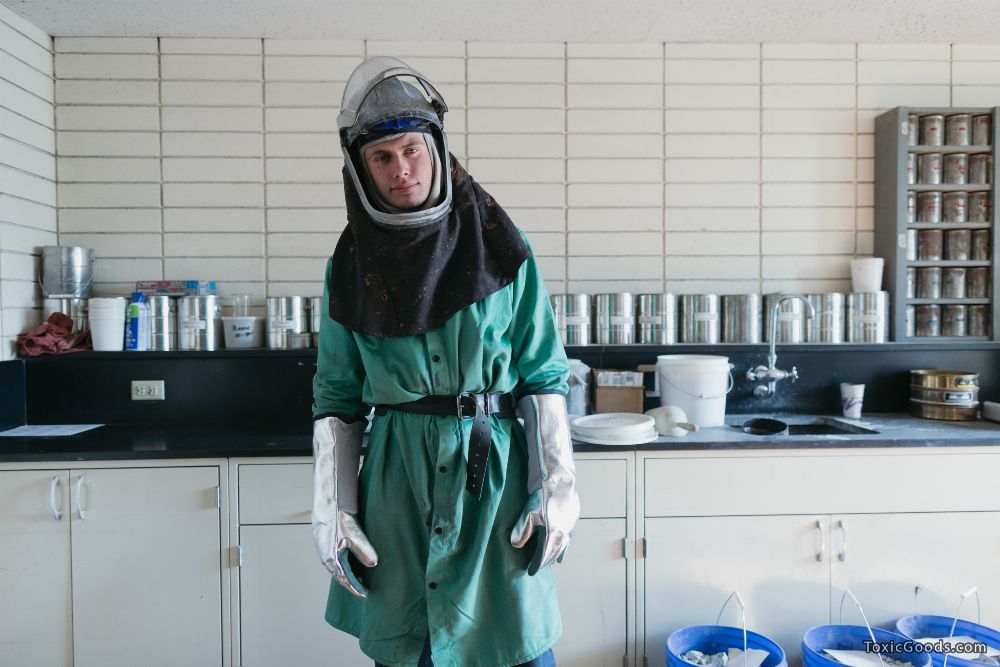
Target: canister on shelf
<point>978,323</point>
<point>928,320</point>
<point>163,322</point>
<point>929,168</point>
<point>977,284</point>
<point>982,129</point>
<point>867,317</point>
<point>614,319</point>
<point>741,318</point>
<point>981,169</point>
<point>73,307</point>
<point>572,313</point>
<point>199,320</point>
<point>953,320</point>
<point>953,283</point>
<point>911,244</point>
<point>911,168</point>
<point>954,206</point>
<point>315,313</point>
<point>657,319</point>
<point>911,206</point>
<point>957,129</point>
<point>285,315</point>
<point>911,321</point>
<point>958,244</point>
<point>791,321</point>
<point>911,283</point>
<point>913,129</point>
<point>981,250</point>
<point>931,130</point>
<point>928,207</point>
<point>699,318</point>
<point>980,209</point>
<point>956,168</point>
<point>828,324</point>
<point>929,282</point>
<point>929,242</point>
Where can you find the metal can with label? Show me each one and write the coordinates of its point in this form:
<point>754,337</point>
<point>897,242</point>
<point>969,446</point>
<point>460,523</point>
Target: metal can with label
<point>928,321</point>
<point>929,168</point>
<point>913,129</point>
<point>867,317</point>
<point>977,284</point>
<point>956,168</point>
<point>572,313</point>
<point>929,242</point>
<point>982,129</point>
<point>911,168</point>
<point>981,250</point>
<point>657,319</point>
<point>911,244</point>
<point>954,206</point>
<point>953,283</point>
<point>953,320</point>
<point>911,322</point>
<point>980,169</point>
<point>699,318</point>
<point>614,319</point>
<point>931,130</point>
<point>958,130</point>
<point>958,244</point>
<point>979,321</point>
<point>929,283</point>
<point>928,207</point>
<point>911,283</point>
<point>980,207</point>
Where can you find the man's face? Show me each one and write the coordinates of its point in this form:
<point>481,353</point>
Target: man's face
<point>401,170</point>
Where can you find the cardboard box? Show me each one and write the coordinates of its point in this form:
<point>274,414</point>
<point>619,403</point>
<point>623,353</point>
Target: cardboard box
<point>617,390</point>
<point>175,287</point>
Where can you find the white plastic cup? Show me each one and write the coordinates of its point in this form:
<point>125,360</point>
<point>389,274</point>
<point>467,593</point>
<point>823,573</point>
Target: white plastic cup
<point>106,316</point>
<point>851,398</point>
<point>866,274</point>
<point>241,305</point>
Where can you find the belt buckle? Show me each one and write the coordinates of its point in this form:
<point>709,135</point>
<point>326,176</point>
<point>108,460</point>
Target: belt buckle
<point>460,407</point>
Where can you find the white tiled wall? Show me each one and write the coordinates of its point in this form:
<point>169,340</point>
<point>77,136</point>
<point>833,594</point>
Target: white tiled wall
<point>27,171</point>
<point>689,167</point>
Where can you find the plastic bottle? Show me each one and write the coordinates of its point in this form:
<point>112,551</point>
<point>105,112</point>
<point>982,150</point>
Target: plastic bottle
<point>138,324</point>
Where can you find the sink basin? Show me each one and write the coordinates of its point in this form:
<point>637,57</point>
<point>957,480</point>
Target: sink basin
<point>812,426</point>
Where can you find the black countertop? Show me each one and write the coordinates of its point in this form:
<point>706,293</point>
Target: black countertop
<point>172,441</point>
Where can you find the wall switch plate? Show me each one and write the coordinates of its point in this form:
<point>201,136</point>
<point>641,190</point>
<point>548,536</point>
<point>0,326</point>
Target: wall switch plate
<point>148,390</point>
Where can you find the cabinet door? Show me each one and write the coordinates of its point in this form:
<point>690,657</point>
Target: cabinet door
<point>35,626</point>
<point>693,564</point>
<point>920,563</point>
<point>147,567</point>
<point>591,583</point>
<point>283,591</point>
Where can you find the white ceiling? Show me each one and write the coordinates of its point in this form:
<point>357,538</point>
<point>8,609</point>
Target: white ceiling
<point>795,21</point>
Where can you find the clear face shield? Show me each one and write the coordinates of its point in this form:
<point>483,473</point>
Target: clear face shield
<point>368,108</point>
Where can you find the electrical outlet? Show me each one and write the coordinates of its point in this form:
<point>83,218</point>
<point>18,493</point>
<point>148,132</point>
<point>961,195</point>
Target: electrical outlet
<point>148,390</point>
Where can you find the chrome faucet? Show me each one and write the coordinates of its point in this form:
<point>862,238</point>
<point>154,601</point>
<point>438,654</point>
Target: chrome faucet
<point>770,372</point>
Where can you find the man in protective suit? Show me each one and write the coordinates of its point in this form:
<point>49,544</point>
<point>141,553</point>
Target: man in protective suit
<point>437,317</point>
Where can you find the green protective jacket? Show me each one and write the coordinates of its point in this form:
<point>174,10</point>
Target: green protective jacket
<point>446,565</point>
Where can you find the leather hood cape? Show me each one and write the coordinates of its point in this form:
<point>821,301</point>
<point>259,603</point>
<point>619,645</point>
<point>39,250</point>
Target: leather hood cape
<point>395,281</point>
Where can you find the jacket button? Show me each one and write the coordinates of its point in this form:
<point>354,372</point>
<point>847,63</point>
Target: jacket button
<point>443,469</point>
<point>435,358</point>
<point>432,585</point>
<point>439,530</point>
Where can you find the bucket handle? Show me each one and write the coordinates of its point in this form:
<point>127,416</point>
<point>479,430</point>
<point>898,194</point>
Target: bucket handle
<point>743,616</point>
<point>857,603</point>
<point>655,393</point>
<point>954,621</point>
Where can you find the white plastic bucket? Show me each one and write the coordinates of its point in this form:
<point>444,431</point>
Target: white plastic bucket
<point>697,384</point>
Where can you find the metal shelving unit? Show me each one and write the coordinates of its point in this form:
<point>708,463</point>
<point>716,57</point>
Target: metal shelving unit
<point>891,221</point>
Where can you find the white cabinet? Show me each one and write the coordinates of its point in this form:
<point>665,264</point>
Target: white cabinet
<point>906,531</point>
<point>282,587</point>
<point>130,573</point>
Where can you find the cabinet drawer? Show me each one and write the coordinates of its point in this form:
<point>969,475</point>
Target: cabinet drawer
<point>275,493</point>
<point>282,492</point>
<point>908,481</point>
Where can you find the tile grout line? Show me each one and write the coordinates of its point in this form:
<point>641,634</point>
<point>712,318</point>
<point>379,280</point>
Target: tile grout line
<point>263,166</point>
<point>159,100</point>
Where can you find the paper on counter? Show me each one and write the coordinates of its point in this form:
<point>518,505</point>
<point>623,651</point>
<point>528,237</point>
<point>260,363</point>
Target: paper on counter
<point>47,430</point>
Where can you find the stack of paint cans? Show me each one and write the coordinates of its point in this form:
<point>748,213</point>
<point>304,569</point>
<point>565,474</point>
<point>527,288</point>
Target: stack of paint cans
<point>949,253</point>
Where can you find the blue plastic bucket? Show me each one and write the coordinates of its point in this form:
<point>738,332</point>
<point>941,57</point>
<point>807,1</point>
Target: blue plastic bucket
<point>919,627</point>
<point>719,639</point>
<point>850,638</point>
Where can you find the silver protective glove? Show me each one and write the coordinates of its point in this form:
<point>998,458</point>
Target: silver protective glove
<point>336,531</point>
<point>553,505</point>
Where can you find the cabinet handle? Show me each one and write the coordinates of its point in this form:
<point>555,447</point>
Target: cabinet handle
<point>842,556</point>
<point>81,513</point>
<point>56,514</point>
<point>822,543</point>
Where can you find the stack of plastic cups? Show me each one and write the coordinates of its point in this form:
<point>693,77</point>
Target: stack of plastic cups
<point>107,323</point>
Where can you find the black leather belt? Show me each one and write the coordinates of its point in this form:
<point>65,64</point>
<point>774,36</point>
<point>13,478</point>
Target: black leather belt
<point>477,407</point>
